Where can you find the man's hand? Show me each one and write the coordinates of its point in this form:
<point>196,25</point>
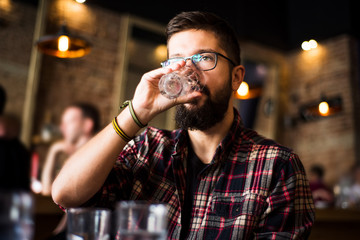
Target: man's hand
<point>149,102</point>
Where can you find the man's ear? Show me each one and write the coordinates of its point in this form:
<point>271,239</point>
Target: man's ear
<point>237,74</point>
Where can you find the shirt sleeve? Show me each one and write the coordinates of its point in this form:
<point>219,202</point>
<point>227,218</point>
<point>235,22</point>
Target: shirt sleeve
<point>290,211</point>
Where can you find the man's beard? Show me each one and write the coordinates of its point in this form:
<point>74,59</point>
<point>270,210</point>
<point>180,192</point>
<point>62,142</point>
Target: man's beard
<point>210,113</point>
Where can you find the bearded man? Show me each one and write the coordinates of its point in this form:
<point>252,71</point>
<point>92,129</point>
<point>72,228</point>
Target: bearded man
<point>219,179</point>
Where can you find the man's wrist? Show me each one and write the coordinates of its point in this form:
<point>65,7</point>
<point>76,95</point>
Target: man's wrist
<point>143,113</point>
<point>126,123</point>
<point>132,113</point>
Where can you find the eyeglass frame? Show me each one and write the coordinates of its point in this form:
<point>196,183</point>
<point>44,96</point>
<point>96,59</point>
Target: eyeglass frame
<point>195,64</point>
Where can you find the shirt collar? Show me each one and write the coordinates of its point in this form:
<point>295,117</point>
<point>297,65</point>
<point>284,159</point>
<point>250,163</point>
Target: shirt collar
<point>225,146</point>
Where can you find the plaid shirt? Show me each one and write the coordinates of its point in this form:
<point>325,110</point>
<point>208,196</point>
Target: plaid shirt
<point>252,189</point>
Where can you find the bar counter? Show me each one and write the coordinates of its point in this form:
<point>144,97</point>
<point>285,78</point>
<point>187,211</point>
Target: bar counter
<point>47,216</point>
<point>336,224</point>
<point>329,223</point>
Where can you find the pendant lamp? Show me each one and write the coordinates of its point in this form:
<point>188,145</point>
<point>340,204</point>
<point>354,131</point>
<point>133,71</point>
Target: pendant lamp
<point>63,45</point>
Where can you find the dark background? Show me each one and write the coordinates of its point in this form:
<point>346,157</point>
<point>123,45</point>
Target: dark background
<point>282,24</point>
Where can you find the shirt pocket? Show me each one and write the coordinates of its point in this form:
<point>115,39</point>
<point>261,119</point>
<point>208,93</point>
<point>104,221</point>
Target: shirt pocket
<point>153,190</point>
<point>230,207</point>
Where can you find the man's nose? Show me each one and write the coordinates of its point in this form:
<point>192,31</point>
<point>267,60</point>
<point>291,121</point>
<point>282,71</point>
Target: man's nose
<point>189,62</point>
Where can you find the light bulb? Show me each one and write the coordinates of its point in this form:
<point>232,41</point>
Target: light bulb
<point>305,46</point>
<point>63,44</point>
<point>324,108</point>
<point>243,89</point>
<point>313,43</point>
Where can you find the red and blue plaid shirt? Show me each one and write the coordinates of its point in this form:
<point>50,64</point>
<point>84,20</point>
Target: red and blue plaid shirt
<point>252,189</point>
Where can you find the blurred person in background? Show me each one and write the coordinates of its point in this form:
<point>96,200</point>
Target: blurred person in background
<point>9,126</point>
<point>322,194</point>
<point>79,122</point>
<point>14,157</point>
<point>16,204</point>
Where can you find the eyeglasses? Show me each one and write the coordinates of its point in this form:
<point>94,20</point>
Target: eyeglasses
<point>203,61</point>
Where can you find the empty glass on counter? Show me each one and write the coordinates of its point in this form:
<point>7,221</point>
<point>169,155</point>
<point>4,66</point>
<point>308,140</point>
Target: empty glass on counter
<point>138,220</point>
<point>88,224</point>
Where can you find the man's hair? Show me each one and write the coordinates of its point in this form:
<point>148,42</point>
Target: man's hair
<point>89,111</point>
<point>208,22</point>
<point>317,170</point>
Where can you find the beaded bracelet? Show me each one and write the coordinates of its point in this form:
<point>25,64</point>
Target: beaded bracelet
<point>119,131</point>
<point>132,112</point>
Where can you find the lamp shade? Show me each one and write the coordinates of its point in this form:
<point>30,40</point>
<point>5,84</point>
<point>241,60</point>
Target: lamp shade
<point>75,46</point>
<point>320,109</point>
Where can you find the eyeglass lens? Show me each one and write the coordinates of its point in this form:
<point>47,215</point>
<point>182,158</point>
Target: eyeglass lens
<point>203,61</point>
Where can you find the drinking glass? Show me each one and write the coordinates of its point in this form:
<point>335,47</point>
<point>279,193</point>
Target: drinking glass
<point>88,224</point>
<point>179,83</point>
<point>16,215</point>
<point>139,220</point>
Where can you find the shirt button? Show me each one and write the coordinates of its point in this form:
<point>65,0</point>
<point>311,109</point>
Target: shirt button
<point>196,211</point>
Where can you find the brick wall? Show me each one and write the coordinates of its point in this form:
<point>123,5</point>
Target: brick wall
<point>325,70</point>
<point>87,79</point>
<point>303,77</point>
<point>16,32</point>
<point>62,81</point>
